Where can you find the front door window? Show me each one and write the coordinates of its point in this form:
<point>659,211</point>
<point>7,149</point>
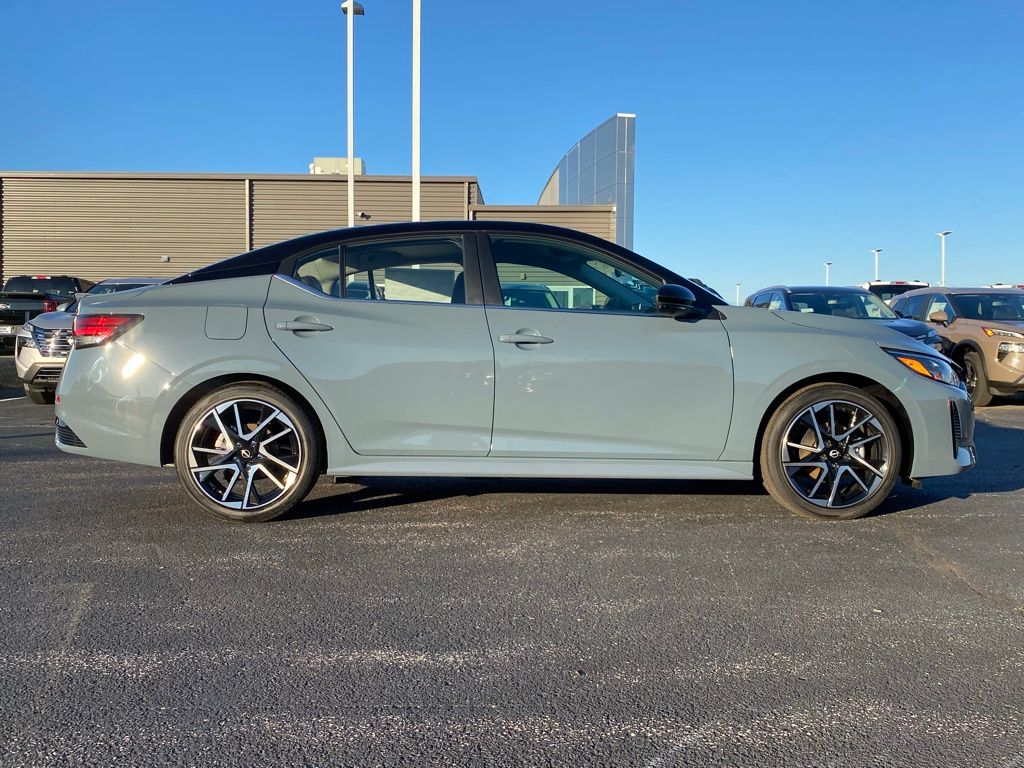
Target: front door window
<point>542,273</point>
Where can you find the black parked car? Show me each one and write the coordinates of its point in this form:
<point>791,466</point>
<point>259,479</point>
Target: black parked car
<point>854,303</point>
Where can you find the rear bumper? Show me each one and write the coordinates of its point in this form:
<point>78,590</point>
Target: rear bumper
<point>114,401</point>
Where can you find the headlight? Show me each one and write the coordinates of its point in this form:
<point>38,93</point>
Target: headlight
<point>31,340</point>
<point>1009,348</point>
<point>1000,332</point>
<point>924,365</point>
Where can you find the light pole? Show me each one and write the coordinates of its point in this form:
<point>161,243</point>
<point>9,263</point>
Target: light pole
<point>942,272</point>
<point>876,251</point>
<point>415,110</point>
<point>827,265</point>
<point>738,294</point>
<point>357,10</point>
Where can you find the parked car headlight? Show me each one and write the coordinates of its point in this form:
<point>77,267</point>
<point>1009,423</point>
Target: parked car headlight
<point>1000,332</point>
<point>30,340</point>
<point>924,365</point>
<point>1010,348</point>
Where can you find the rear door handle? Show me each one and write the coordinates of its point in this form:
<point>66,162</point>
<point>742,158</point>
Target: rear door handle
<point>524,336</point>
<point>302,325</point>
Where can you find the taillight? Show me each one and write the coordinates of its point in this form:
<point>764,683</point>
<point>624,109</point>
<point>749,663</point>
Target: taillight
<point>50,305</point>
<point>93,330</point>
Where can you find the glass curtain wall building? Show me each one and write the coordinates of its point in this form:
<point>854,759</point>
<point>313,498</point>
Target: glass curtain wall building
<point>598,170</point>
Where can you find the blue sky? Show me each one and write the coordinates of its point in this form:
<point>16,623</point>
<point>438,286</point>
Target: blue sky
<point>771,136</point>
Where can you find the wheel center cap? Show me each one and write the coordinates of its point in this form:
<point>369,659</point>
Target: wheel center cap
<point>834,454</point>
<point>246,453</point>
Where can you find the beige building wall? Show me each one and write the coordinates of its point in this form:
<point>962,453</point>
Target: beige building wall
<point>100,225</point>
<point>597,220</point>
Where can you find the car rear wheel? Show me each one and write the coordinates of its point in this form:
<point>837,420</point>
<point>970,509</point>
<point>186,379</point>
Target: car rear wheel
<point>831,451</point>
<point>975,380</point>
<point>247,452</point>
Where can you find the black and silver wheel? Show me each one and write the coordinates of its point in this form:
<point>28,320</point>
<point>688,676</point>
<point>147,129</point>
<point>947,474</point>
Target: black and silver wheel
<point>975,380</point>
<point>247,452</point>
<point>831,451</point>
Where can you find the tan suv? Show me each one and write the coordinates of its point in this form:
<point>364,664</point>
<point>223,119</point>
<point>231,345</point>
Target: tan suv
<point>984,332</point>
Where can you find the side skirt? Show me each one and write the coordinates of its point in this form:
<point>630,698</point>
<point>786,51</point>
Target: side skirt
<point>431,466</point>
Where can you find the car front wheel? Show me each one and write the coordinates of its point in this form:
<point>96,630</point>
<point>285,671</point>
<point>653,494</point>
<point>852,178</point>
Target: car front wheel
<point>247,452</point>
<point>975,380</point>
<point>831,451</point>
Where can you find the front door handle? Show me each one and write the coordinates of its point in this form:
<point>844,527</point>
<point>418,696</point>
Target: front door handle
<point>524,338</point>
<point>302,325</point>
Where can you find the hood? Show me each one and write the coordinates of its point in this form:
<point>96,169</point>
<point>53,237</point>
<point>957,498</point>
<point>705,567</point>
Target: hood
<point>53,320</point>
<point>880,333</point>
<point>1009,325</point>
<point>914,328</point>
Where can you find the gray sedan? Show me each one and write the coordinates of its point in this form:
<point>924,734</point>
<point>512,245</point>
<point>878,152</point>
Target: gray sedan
<point>394,350</point>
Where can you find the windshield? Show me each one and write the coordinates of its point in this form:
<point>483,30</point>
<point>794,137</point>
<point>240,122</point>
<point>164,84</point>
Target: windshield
<point>859,306</point>
<point>60,286</point>
<point>990,306</point>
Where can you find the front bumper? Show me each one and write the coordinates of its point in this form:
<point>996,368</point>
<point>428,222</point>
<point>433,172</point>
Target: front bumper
<point>944,441</point>
<point>1006,373</point>
<point>36,370</point>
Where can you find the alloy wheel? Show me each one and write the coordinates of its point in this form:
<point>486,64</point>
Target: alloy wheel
<point>970,377</point>
<point>244,454</point>
<point>835,454</point>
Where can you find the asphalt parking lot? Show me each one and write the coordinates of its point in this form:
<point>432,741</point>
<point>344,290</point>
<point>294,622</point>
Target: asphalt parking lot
<point>461,622</point>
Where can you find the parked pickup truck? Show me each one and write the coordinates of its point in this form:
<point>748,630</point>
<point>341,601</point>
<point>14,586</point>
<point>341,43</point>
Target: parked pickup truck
<point>25,296</point>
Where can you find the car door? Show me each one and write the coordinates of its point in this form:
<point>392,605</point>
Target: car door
<point>602,375</point>
<point>391,332</point>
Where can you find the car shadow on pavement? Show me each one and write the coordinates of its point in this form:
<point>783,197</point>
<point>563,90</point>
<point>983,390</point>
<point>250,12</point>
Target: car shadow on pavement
<point>1000,470</point>
<point>366,494</point>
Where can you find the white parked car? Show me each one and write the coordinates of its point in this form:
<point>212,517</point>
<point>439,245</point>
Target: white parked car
<point>889,290</point>
<point>43,343</point>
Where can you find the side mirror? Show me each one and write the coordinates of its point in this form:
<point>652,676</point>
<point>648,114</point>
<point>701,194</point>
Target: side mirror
<point>676,301</point>
<point>939,317</point>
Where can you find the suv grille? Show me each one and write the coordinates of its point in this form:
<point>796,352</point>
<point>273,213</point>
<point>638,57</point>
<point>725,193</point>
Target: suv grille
<point>52,342</point>
<point>48,374</point>
<point>67,436</point>
<point>13,317</point>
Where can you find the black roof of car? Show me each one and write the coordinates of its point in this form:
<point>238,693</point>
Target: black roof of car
<point>811,289</point>
<point>265,260</point>
<point>958,291</point>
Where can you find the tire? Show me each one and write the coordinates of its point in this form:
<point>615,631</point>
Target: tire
<point>976,380</point>
<point>269,447</point>
<point>843,473</point>
<point>40,396</point>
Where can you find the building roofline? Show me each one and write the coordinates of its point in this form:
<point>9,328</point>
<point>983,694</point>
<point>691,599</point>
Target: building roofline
<point>319,177</point>
<point>544,208</point>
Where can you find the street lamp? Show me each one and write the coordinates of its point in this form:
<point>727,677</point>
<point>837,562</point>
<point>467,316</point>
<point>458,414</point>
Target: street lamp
<point>942,272</point>
<point>876,251</point>
<point>357,10</point>
<point>415,110</point>
<point>738,294</point>
<point>827,265</point>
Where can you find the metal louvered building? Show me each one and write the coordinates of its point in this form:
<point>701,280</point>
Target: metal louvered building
<point>99,225</point>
